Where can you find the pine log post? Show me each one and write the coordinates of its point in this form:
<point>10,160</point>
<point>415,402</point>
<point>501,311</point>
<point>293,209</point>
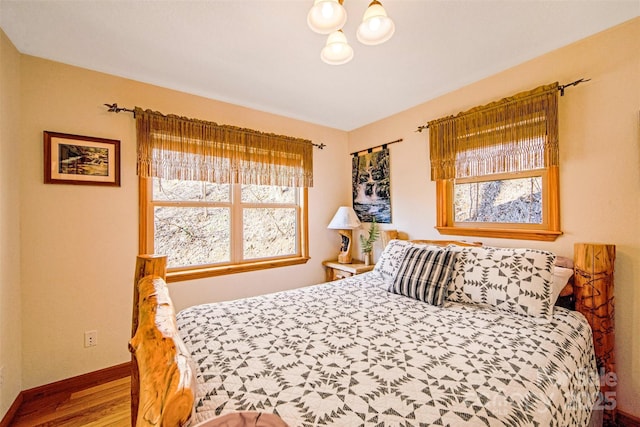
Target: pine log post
<point>146,265</point>
<point>167,387</point>
<point>593,291</point>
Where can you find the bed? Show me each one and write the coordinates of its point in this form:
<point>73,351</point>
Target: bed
<point>352,353</point>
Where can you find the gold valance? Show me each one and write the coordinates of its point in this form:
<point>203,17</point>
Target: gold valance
<point>173,147</point>
<point>514,134</point>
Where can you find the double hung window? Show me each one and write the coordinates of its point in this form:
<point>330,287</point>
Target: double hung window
<point>218,200</point>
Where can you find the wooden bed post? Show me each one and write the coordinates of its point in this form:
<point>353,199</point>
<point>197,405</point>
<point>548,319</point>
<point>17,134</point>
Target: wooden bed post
<point>593,290</point>
<point>146,265</point>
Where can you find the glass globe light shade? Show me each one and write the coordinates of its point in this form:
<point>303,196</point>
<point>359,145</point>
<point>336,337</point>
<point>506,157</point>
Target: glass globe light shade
<point>337,51</point>
<point>326,16</point>
<point>376,26</point>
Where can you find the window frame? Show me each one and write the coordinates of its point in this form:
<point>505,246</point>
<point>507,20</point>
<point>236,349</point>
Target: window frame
<point>176,274</point>
<point>549,230</point>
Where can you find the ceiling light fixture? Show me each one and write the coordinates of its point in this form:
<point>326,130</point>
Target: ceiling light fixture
<point>337,51</point>
<point>329,16</point>
<point>326,16</point>
<point>376,27</point>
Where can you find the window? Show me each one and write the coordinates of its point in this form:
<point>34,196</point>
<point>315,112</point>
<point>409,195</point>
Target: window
<point>517,206</point>
<point>496,169</point>
<point>515,200</point>
<point>209,229</point>
<point>219,199</point>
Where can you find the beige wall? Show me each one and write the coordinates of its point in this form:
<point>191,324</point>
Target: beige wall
<point>600,164</point>
<point>10,318</point>
<point>79,242</point>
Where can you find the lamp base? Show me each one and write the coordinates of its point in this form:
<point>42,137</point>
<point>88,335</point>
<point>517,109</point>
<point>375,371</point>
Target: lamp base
<point>344,257</point>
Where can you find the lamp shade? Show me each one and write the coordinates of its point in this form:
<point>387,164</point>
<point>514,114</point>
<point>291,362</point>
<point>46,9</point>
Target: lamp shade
<point>344,219</point>
<point>326,16</point>
<point>337,51</point>
<point>376,26</point>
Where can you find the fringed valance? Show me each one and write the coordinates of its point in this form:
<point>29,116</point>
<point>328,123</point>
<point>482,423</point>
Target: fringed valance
<point>518,133</point>
<point>173,147</point>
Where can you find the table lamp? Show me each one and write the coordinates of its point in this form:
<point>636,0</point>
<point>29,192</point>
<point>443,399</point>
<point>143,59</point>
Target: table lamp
<point>344,221</point>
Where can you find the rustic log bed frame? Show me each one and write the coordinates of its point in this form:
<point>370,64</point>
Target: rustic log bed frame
<point>163,380</point>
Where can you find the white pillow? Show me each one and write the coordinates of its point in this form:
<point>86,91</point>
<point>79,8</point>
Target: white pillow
<point>561,277</point>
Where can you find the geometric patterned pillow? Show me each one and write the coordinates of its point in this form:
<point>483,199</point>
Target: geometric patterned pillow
<point>424,275</point>
<point>455,291</point>
<point>516,280</point>
<point>390,258</point>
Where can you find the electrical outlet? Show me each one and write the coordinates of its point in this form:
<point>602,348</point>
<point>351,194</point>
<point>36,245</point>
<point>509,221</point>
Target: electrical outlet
<point>90,338</point>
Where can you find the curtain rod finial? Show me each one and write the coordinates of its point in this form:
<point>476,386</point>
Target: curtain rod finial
<point>113,108</point>
<point>561,88</point>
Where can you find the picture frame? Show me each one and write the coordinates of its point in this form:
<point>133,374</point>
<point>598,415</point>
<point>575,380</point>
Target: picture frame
<point>81,160</point>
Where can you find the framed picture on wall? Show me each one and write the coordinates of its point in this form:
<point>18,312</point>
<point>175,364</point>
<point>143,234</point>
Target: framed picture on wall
<point>85,160</point>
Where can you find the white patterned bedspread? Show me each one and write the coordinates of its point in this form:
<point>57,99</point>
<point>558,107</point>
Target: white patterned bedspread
<point>349,353</point>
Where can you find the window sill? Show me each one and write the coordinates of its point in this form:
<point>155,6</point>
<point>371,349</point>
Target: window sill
<point>502,233</point>
<point>201,273</point>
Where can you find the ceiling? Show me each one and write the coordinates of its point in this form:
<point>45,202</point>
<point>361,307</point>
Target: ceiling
<point>261,54</point>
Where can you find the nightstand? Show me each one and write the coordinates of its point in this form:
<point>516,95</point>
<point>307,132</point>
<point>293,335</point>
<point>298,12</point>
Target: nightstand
<point>336,271</point>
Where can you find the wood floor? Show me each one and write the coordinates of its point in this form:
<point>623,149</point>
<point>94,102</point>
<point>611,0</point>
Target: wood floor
<point>107,404</point>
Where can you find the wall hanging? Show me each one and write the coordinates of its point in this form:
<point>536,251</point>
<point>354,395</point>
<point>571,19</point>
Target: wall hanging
<point>372,185</point>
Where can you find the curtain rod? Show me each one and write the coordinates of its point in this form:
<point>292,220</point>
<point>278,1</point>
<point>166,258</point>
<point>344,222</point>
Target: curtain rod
<point>113,108</point>
<point>561,88</point>
<point>370,150</point>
